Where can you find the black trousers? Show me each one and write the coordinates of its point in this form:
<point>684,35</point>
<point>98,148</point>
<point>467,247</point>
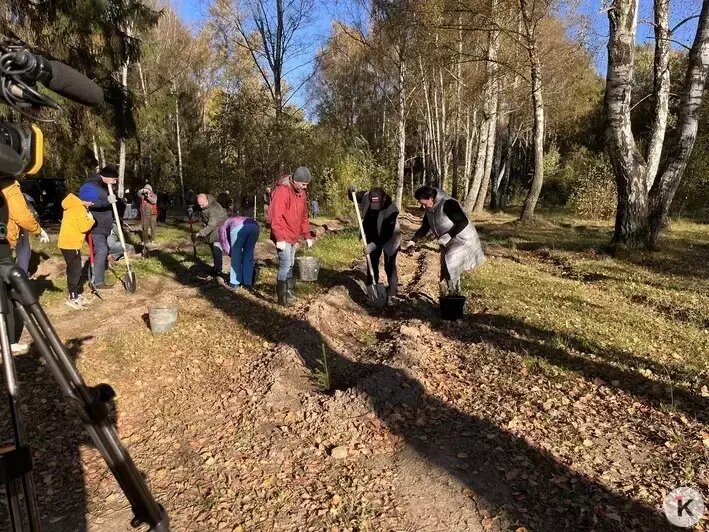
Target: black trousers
<point>72,257</point>
<point>389,269</point>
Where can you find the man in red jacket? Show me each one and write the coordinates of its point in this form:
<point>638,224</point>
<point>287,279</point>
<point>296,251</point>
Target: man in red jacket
<point>288,213</point>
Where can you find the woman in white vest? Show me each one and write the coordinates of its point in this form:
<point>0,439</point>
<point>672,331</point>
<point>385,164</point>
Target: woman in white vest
<point>380,219</point>
<point>460,245</point>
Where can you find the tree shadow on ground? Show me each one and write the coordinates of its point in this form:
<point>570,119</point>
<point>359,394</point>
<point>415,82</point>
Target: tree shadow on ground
<point>614,367</point>
<point>55,435</point>
<point>544,494</point>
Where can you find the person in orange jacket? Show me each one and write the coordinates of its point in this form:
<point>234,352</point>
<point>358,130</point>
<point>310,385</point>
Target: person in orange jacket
<point>20,217</point>
<point>76,222</point>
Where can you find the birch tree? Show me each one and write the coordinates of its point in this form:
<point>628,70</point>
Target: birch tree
<point>647,183</point>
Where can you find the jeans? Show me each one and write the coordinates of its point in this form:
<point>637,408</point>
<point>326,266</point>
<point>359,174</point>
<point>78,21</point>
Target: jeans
<point>23,252</point>
<point>100,255</point>
<point>286,260</point>
<point>243,239</point>
<point>389,269</point>
<point>217,256</point>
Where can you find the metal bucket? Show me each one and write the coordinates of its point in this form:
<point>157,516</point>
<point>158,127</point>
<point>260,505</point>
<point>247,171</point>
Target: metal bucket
<point>308,268</point>
<point>162,319</point>
<point>452,307</point>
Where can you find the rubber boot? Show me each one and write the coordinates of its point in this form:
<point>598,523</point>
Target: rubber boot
<point>290,294</point>
<point>282,293</point>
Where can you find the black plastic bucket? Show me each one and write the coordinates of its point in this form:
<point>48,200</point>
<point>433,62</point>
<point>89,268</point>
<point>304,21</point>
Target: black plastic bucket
<point>452,307</point>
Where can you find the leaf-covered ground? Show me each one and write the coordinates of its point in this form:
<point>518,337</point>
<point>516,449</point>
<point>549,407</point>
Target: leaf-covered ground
<point>573,396</point>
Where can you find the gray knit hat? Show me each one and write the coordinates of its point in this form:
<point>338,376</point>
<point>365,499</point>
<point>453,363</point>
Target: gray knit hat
<point>302,175</point>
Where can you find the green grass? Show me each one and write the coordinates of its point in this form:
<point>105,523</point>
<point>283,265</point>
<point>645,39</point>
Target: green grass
<point>644,310</point>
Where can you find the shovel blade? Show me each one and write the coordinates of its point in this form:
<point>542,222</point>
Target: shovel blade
<point>377,294</point>
<point>129,282</point>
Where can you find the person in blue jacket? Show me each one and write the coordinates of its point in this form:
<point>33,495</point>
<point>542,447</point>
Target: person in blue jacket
<point>95,190</point>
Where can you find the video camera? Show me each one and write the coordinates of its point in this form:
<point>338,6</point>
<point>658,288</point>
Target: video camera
<point>22,145</point>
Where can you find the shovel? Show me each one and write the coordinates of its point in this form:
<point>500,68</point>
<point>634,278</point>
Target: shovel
<point>376,292</point>
<point>129,278</point>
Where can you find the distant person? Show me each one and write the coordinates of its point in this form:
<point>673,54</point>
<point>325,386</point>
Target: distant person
<point>163,206</point>
<point>224,199</point>
<point>288,213</point>
<point>148,213</point>
<point>247,206</point>
<point>213,216</point>
<point>115,248</point>
<point>266,203</point>
<point>238,237</point>
<point>190,202</point>
<point>76,222</point>
<point>315,207</point>
<point>460,245</point>
<point>380,219</point>
<point>95,191</point>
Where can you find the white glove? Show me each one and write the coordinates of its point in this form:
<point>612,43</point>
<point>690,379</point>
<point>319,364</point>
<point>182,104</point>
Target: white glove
<point>43,236</point>
<point>369,248</point>
<point>112,199</point>
<point>408,245</point>
<point>309,242</point>
<point>443,241</point>
<point>280,246</point>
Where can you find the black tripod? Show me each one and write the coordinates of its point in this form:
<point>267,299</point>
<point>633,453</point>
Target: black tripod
<point>90,402</point>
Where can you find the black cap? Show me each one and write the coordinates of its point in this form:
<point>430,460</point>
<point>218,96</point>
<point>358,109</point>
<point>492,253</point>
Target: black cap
<point>110,170</point>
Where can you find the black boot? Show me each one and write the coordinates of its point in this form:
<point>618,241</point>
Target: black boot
<point>291,291</point>
<point>282,293</point>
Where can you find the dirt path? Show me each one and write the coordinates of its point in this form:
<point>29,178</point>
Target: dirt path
<point>429,425</point>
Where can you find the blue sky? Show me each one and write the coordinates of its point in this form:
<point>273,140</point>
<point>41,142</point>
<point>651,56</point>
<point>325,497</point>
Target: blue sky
<point>194,12</point>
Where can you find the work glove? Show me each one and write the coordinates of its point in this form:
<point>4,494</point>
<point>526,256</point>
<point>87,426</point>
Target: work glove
<point>369,248</point>
<point>309,242</point>
<point>351,190</point>
<point>112,199</point>
<point>408,245</point>
<point>43,236</point>
<point>281,246</point>
<point>443,241</point>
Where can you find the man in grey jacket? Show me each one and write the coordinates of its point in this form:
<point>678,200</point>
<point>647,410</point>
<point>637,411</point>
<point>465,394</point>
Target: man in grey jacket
<point>213,216</point>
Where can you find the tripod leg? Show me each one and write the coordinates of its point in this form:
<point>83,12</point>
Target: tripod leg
<point>93,410</point>
<point>20,437</point>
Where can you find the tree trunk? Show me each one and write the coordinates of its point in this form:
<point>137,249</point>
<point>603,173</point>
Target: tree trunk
<point>663,190</point>
<point>457,125</point>
<point>489,156</point>
<point>661,89</point>
<point>489,108</point>
<point>401,129</point>
<point>122,140</point>
<point>631,225</point>
<point>530,203</point>
<point>96,153</point>
<point>179,142</point>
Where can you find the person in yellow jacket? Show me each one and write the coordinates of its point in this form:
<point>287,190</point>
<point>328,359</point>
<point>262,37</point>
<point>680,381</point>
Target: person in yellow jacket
<point>20,217</point>
<point>76,222</point>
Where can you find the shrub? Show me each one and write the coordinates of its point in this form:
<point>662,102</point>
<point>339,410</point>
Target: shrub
<point>594,191</point>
